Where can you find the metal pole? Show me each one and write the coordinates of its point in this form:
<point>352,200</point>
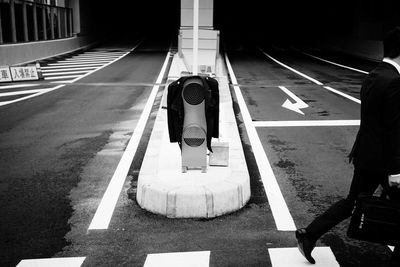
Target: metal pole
<point>52,23</point>
<point>71,30</point>
<point>44,23</point>
<point>1,32</point>
<point>65,15</point>
<point>25,22</point>
<point>58,12</point>
<point>13,25</point>
<point>35,25</point>
<point>195,36</point>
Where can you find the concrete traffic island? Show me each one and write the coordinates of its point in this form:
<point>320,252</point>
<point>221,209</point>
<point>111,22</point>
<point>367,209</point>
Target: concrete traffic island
<point>164,189</point>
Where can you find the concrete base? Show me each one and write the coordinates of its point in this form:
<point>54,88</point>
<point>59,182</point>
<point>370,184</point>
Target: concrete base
<point>164,189</point>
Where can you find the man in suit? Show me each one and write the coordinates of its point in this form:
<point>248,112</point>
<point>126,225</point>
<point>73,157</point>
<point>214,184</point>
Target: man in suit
<point>376,151</point>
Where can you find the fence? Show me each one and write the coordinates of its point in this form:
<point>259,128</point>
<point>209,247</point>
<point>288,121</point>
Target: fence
<point>25,21</point>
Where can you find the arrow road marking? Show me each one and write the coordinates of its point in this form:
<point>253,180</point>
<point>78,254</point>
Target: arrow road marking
<point>299,104</point>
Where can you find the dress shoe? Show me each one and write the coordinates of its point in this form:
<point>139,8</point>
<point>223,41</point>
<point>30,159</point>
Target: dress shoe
<point>305,244</point>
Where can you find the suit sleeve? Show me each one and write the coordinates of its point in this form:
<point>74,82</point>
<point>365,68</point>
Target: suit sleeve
<point>391,117</point>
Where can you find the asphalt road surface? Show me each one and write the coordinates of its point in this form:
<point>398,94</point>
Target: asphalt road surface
<point>59,150</point>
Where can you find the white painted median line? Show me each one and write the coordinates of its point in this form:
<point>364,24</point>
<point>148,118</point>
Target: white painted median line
<point>306,123</point>
<point>23,92</point>
<point>179,259</point>
<point>17,86</point>
<point>343,94</point>
<point>47,78</point>
<point>65,64</point>
<point>30,96</point>
<point>70,66</point>
<point>62,85</point>
<point>336,64</point>
<point>68,69</point>
<point>290,68</point>
<point>312,79</point>
<point>291,257</point>
<point>280,211</point>
<point>47,74</point>
<point>53,262</point>
<point>107,205</point>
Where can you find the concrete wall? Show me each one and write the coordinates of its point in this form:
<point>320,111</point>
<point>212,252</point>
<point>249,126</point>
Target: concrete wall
<point>21,53</point>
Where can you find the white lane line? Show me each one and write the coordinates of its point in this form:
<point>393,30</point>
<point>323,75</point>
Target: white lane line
<point>178,259</point>
<point>61,77</point>
<point>17,86</point>
<point>106,53</point>
<point>280,211</point>
<point>313,80</point>
<point>91,57</point>
<point>24,92</point>
<point>30,96</point>
<point>334,63</point>
<point>67,69</point>
<point>51,262</point>
<point>306,123</point>
<point>290,68</point>
<point>106,207</point>
<point>70,66</point>
<point>291,257</point>
<point>343,94</point>
<point>46,74</point>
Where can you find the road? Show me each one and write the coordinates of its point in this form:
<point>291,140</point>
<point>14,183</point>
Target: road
<point>59,150</point>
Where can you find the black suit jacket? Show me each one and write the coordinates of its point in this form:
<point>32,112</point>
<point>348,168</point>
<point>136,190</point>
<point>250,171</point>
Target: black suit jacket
<point>176,113</point>
<point>377,146</point>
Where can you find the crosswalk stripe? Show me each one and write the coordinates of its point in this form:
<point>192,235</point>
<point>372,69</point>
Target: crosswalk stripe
<point>17,86</point>
<point>24,92</point>
<point>62,77</point>
<point>93,57</point>
<point>71,66</point>
<point>64,72</point>
<point>84,60</point>
<point>50,262</point>
<point>67,69</point>
<point>178,259</point>
<point>289,257</point>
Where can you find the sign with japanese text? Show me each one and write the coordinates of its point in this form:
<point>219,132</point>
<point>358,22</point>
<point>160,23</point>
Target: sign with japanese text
<point>25,73</point>
<point>5,74</point>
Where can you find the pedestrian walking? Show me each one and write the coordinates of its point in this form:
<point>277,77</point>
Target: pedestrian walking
<point>376,150</point>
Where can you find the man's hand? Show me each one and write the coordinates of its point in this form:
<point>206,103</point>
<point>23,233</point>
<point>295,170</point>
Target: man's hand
<point>394,180</point>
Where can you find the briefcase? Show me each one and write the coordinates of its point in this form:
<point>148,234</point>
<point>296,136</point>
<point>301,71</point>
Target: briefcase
<point>375,219</point>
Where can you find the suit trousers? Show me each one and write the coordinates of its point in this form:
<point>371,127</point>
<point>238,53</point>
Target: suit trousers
<point>365,182</point>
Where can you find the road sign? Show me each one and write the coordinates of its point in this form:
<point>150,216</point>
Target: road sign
<point>25,73</point>
<point>5,74</point>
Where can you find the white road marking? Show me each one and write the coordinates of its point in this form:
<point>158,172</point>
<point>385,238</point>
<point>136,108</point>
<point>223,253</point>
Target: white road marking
<point>179,259</point>
<point>17,86</point>
<point>67,69</point>
<point>65,81</point>
<point>291,257</point>
<point>280,211</point>
<point>107,205</point>
<point>92,57</point>
<point>47,74</point>
<point>4,103</point>
<point>299,104</point>
<point>81,61</point>
<point>306,123</point>
<point>334,63</point>
<point>24,92</point>
<point>70,66</point>
<point>343,94</point>
<point>313,80</point>
<point>62,77</point>
<point>52,262</point>
<point>30,96</point>
<point>290,68</point>
<point>74,63</point>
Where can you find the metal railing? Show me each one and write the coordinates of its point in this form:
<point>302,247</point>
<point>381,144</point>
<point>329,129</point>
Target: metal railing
<point>26,21</point>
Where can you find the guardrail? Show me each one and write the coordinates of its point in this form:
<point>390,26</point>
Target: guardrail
<point>26,21</point>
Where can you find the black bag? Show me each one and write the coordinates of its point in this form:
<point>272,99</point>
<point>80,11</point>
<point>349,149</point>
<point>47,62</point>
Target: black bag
<point>375,219</point>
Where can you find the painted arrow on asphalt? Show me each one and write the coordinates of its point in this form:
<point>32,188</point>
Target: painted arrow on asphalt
<point>298,103</point>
